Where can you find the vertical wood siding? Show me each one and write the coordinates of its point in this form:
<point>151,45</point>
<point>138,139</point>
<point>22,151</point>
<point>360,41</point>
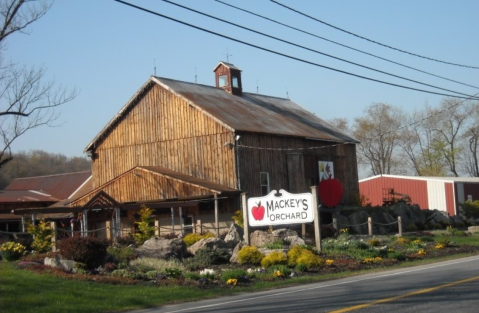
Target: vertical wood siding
<point>162,129</point>
<point>252,161</point>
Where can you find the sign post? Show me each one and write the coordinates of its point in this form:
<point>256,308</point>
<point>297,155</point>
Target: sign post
<point>317,222</point>
<point>245,218</point>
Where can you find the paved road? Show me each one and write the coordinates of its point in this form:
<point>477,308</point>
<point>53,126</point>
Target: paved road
<point>450,286</point>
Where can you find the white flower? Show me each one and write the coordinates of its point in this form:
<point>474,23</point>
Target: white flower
<point>207,271</point>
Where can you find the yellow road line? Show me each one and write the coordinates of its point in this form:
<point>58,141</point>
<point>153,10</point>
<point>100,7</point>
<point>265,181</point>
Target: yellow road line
<point>361,306</point>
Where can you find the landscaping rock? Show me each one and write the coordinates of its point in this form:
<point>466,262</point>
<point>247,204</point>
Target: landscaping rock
<point>162,248</point>
<point>234,254</point>
<point>211,243</point>
<point>383,223</point>
<point>266,251</point>
<point>358,218</point>
<point>410,215</point>
<point>294,240</point>
<point>439,217</point>
<point>66,265</point>
<point>259,238</point>
<point>235,234</point>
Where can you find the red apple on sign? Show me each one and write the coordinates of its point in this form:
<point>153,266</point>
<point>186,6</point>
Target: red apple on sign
<point>330,191</point>
<point>258,212</point>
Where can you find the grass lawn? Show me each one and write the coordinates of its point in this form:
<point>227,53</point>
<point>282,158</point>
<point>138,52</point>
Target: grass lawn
<point>26,291</point>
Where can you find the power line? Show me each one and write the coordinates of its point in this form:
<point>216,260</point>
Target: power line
<point>308,49</point>
<point>286,55</point>
<point>343,45</point>
<point>370,40</point>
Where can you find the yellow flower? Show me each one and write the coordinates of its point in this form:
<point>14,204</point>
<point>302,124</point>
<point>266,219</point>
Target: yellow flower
<point>329,262</point>
<point>278,274</point>
<point>421,252</point>
<point>232,281</point>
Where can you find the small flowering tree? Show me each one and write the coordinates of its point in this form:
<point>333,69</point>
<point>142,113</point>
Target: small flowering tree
<point>146,230</point>
<point>42,236</point>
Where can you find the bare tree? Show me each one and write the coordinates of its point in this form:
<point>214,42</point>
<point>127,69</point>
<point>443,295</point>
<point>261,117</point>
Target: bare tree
<point>27,101</point>
<point>471,137</point>
<point>379,131</point>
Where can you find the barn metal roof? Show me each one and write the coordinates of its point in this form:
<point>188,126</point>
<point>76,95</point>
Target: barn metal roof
<point>27,196</point>
<point>247,113</point>
<point>60,186</point>
<point>429,178</point>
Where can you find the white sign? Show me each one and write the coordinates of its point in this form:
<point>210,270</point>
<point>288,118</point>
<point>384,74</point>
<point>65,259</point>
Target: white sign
<point>286,208</point>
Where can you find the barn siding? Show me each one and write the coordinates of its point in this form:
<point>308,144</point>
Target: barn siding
<point>162,129</point>
<point>437,195</point>
<point>416,189</point>
<point>472,190</point>
<point>253,160</point>
<point>450,200</point>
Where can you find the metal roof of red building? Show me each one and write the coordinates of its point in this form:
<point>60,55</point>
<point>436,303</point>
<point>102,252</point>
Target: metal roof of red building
<point>60,186</point>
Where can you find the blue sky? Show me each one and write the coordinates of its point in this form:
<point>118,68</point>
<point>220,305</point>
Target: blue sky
<point>107,50</point>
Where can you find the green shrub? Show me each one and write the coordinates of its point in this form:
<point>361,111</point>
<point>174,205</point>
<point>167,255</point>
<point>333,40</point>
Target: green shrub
<point>427,239</point>
<point>11,251</point>
<point>274,258</point>
<point>146,230</point>
<point>285,270</point>
<point>470,208</point>
<point>411,227</point>
<point>192,276</point>
<point>206,257</point>
<point>437,226</point>
<point>238,218</point>
<point>293,254</point>
<point>121,254</point>
<point>173,272</point>
<point>310,259</point>
<point>42,233</point>
<point>193,238</point>
<point>397,256</point>
<point>250,255</point>
<point>301,267</point>
<point>238,274</point>
<point>88,250</point>
<point>277,244</point>
<point>148,264</point>
<point>374,242</point>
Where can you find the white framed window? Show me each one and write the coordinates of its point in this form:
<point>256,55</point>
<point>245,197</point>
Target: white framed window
<point>223,80</point>
<point>235,82</point>
<point>264,183</point>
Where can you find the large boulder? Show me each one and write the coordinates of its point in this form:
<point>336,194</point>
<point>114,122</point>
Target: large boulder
<point>235,234</point>
<point>162,248</point>
<point>212,244</point>
<point>359,221</point>
<point>439,217</point>
<point>66,265</point>
<point>238,247</point>
<point>259,238</point>
<point>383,223</point>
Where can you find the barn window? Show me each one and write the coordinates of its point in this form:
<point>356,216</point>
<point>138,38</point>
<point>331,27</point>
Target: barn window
<point>264,182</point>
<point>235,82</point>
<point>223,80</point>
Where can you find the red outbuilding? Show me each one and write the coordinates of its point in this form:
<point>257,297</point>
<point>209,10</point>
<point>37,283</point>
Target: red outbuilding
<point>440,193</point>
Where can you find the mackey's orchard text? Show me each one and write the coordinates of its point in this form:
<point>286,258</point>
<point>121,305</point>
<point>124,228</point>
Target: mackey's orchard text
<point>279,208</point>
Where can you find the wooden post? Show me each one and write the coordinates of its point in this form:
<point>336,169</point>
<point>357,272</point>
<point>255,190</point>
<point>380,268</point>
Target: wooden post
<point>157,227</point>
<point>85,223</point>
<point>303,230</point>
<point>23,224</point>
<point>217,223</point>
<point>72,228</point>
<point>173,220</point>
<point>370,226</point>
<point>108,229</point>
<point>335,224</point>
<point>317,222</point>
<point>180,213</point>
<point>53,225</point>
<point>245,218</point>
<point>200,226</point>
<point>400,226</point>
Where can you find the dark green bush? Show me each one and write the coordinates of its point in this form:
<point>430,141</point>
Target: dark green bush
<point>121,254</point>
<point>88,250</point>
<point>206,257</point>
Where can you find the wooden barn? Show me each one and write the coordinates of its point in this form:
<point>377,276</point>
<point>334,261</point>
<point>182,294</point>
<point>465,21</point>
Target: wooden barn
<point>189,150</point>
<point>440,193</point>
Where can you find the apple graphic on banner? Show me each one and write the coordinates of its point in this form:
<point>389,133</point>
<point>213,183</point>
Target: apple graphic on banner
<point>258,211</point>
<point>330,191</point>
